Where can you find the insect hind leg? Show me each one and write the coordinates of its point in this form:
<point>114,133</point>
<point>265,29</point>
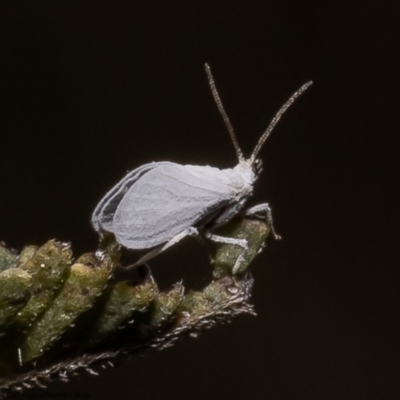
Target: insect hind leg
<point>159,249</point>
<point>264,211</point>
<point>226,240</point>
<point>235,241</point>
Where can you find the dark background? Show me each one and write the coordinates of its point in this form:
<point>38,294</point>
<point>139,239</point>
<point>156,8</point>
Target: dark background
<point>90,90</point>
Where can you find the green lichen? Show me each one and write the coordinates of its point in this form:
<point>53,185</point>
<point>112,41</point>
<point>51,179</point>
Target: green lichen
<point>84,284</point>
<point>57,317</point>
<point>15,292</point>
<point>122,303</point>
<point>8,257</point>
<point>48,267</point>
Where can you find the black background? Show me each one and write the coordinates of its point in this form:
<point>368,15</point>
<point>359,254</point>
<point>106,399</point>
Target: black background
<point>90,90</point>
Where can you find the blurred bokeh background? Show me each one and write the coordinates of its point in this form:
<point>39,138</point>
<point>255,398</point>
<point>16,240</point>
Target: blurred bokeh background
<point>90,90</point>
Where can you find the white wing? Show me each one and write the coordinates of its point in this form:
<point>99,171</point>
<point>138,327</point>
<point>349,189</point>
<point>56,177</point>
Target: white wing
<point>103,215</point>
<point>169,198</point>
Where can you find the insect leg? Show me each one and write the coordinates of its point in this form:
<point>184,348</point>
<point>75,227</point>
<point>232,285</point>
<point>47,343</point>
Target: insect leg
<point>239,242</point>
<point>265,211</point>
<point>238,262</point>
<point>206,247</point>
<point>153,253</point>
<point>222,239</point>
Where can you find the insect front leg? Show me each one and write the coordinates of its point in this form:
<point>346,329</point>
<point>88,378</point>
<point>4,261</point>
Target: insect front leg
<point>264,211</point>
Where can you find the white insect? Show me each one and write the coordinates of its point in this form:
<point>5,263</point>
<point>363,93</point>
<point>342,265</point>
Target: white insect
<point>159,204</point>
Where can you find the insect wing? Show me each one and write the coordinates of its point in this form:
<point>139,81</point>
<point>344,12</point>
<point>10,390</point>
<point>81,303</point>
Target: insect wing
<point>103,215</point>
<point>170,198</point>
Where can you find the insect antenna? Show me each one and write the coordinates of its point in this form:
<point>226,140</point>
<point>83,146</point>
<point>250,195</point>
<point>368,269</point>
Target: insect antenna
<point>222,111</point>
<point>275,120</point>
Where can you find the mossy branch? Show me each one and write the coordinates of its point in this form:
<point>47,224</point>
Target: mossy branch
<point>58,316</point>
